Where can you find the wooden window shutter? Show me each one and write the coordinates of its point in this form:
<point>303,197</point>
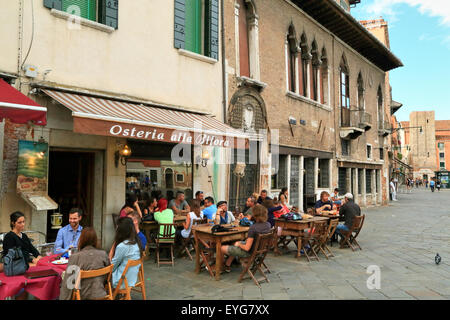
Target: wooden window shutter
<point>110,13</point>
<point>53,4</point>
<point>212,29</point>
<point>179,29</point>
<point>193,25</point>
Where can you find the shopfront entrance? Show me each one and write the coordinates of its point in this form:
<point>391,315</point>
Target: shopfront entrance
<point>71,184</point>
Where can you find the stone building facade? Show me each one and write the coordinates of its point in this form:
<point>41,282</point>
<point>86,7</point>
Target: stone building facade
<point>322,93</point>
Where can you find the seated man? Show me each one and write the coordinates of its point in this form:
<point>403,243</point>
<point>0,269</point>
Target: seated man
<point>324,203</point>
<point>263,196</point>
<point>335,197</point>
<point>68,236</point>
<point>348,211</point>
<point>199,197</point>
<point>250,204</point>
<point>243,249</point>
<point>223,216</point>
<point>210,209</point>
<point>136,221</point>
<point>179,205</point>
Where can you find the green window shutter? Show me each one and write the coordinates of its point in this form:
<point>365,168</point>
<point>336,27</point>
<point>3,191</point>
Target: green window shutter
<point>87,8</point>
<point>179,27</point>
<point>212,29</point>
<point>109,12</point>
<point>53,4</point>
<point>193,29</point>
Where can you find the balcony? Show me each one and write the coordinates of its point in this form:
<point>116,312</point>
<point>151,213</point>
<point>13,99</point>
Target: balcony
<point>366,120</point>
<point>350,124</point>
<point>384,128</point>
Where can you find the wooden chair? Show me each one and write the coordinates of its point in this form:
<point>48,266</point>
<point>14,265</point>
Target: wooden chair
<point>139,285</point>
<point>107,271</point>
<point>328,234</point>
<point>166,239</point>
<point>350,236</point>
<point>190,240</point>
<point>256,261</point>
<point>306,238</point>
<point>318,236</point>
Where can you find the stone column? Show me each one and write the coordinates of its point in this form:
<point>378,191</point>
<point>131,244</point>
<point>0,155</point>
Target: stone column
<point>253,47</point>
<point>288,159</point>
<point>348,183</point>
<point>236,37</point>
<point>316,175</point>
<point>374,187</point>
<point>355,185</point>
<point>363,191</point>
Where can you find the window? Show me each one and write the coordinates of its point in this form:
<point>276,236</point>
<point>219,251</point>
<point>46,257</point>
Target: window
<point>180,177</point>
<point>102,11</point>
<point>280,178</point>
<point>442,164</point>
<point>324,95</point>
<point>324,173</point>
<point>169,178</point>
<point>368,181</point>
<point>369,151</point>
<point>154,176</point>
<point>345,144</point>
<point>244,55</point>
<point>316,62</point>
<point>381,154</point>
<point>197,26</point>
<point>360,92</point>
<point>342,180</point>
<point>292,58</point>
<point>441,145</point>
<point>360,180</point>
<point>441,155</point>
<point>304,67</point>
<point>247,35</point>
<point>344,84</point>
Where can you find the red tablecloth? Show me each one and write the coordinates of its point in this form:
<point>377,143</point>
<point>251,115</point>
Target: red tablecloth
<point>47,262</point>
<point>42,288</point>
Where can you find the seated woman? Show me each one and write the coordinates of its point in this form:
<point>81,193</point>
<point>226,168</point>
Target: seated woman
<point>271,209</point>
<point>194,215</point>
<point>243,249</point>
<point>223,216</point>
<point>126,247</point>
<point>335,197</point>
<point>16,238</point>
<point>131,204</point>
<point>88,257</point>
<point>324,204</point>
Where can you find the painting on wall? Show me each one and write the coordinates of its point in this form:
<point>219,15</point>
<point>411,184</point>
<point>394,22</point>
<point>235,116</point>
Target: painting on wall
<point>32,166</point>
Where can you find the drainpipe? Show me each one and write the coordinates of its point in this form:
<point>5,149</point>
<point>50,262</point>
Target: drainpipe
<point>20,42</point>
<point>224,77</point>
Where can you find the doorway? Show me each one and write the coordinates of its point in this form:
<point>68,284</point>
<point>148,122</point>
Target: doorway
<point>71,184</point>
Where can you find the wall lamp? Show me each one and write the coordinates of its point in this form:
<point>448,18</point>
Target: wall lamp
<point>203,159</point>
<point>123,154</point>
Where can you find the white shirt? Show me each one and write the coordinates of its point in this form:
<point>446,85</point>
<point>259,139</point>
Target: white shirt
<point>185,233</point>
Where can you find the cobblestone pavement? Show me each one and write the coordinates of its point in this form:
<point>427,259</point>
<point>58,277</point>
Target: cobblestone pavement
<point>402,239</point>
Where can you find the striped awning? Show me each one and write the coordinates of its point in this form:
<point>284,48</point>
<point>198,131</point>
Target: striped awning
<point>101,116</point>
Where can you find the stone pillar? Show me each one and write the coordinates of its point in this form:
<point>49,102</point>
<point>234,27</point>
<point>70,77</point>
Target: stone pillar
<point>297,76</point>
<point>355,184</point>
<point>288,166</point>
<point>349,180</point>
<point>363,191</point>
<point>374,187</point>
<point>330,174</point>
<point>300,181</point>
<point>316,175</point>
<point>253,47</point>
<point>236,37</point>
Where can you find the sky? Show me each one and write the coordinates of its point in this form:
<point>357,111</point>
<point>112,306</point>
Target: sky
<point>419,32</point>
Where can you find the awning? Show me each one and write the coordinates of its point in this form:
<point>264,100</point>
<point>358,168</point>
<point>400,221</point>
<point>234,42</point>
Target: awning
<point>108,117</point>
<point>17,107</point>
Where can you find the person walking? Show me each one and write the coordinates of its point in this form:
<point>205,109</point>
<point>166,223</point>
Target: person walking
<point>432,185</point>
<point>438,185</point>
<point>393,190</point>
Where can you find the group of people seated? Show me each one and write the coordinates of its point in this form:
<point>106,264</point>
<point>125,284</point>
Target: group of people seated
<point>83,249</point>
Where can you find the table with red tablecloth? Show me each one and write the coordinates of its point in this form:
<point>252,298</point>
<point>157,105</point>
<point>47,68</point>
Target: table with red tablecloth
<point>47,262</point>
<point>46,288</point>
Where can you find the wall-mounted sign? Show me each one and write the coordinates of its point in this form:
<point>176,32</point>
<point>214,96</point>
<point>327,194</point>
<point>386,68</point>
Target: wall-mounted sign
<point>32,166</point>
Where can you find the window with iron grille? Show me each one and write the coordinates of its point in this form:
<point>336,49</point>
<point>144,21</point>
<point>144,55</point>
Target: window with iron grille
<point>381,154</point>
<point>368,181</point>
<point>345,144</point>
<point>369,151</point>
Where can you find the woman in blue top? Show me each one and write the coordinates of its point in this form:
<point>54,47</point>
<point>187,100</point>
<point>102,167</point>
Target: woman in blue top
<point>126,247</point>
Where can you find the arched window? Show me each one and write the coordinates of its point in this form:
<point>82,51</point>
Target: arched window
<point>292,54</point>
<point>248,40</point>
<point>316,62</point>
<point>304,67</point>
<point>344,83</point>
<point>361,102</point>
<point>324,78</point>
<point>380,107</point>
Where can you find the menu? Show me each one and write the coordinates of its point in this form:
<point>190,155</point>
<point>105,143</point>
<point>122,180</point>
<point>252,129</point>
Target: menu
<point>40,201</point>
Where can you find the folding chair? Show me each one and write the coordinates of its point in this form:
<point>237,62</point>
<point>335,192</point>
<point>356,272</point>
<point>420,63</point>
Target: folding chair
<point>166,239</point>
<point>326,234</point>
<point>318,235</point>
<point>256,260</point>
<point>189,240</point>
<point>139,285</point>
<point>349,237</point>
<point>106,271</point>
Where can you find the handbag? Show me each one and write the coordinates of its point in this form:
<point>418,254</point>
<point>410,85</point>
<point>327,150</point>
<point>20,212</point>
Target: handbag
<point>14,262</point>
<point>245,222</point>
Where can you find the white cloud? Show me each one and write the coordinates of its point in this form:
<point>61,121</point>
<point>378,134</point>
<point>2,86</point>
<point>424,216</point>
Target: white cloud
<point>434,8</point>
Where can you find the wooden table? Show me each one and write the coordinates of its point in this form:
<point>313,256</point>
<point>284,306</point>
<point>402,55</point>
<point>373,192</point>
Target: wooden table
<point>148,226</point>
<point>203,232</point>
<point>294,228</point>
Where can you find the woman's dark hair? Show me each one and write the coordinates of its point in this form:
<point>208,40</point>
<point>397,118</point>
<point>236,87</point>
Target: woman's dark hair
<point>195,207</point>
<point>88,237</point>
<point>283,190</point>
<point>126,231</point>
<point>259,213</point>
<point>129,202</point>
<point>14,217</point>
